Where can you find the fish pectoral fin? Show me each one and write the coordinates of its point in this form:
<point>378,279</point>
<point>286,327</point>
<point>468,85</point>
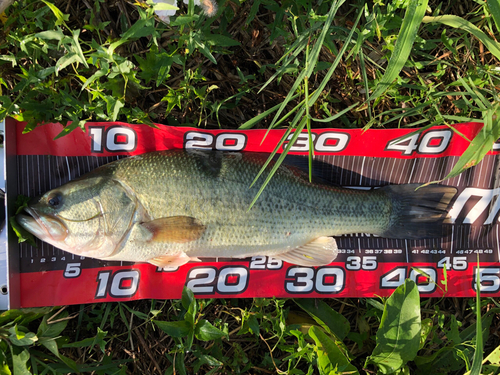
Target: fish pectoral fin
<point>320,252</point>
<point>175,260</point>
<point>177,229</point>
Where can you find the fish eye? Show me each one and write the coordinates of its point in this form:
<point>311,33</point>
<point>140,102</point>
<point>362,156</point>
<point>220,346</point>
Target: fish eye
<point>54,200</point>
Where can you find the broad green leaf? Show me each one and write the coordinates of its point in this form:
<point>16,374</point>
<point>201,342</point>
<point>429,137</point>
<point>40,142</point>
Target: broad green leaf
<point>61,18</point>
<point>220,40</point>
<point>179,364</point>
<point>19,361</point>
<point>80,344</point>
<point>426,328</point>
<point>494,356</point>
<point>113,107</point>
<point>205,331</point>
<point>494,6</point>
<point>180,328</point>
<point>330,357</point>
<point>66,60</point>
<point>70,127</point>
<point>253,324</point>
<point>23,316</point>
<point>93,77</point>
<point>53,329</point>
<point>99,339</point>
<point>460,23</point>
<point>76,45</point>
<point>50,344</point>
<point>21,233</point>
<point>404,45</point>
<point>4,369</point>
<point>51,34</point>
<point>398,336</point>
<point>189,302</point>
<point>165,6</point>
<point>184,20</point>
<point>205,50</point>
<point>143,27</point>
<point>204,359</point>
<point>20,338</point>
<point>329,319</point>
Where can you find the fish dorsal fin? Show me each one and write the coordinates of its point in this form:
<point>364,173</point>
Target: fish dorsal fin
<point>320,252</point>
<point>178,229</point>
<point>175,260</point>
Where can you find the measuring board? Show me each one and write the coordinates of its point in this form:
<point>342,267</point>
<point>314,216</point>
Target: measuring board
<point>4,291</point>
<point>366,266</point>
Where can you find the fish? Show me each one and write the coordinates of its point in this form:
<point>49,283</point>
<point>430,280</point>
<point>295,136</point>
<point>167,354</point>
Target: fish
<point>172,207</point>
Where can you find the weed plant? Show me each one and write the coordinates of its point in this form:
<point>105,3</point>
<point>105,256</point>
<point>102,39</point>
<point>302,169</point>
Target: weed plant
<point>294,64</point>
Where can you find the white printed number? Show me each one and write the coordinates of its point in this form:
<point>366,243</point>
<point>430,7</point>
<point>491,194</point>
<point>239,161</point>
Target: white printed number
<point>208,280</point>
<point>424,277</point>
<point>357,263</point>
<point>112,139</point>
<point>432,142</point>
<point>489,279</point>
<point>265,263</point>
<point>121,284</point>
<point>455,263</point>
<point>324,142</point>
<point>322,280</point>
<point>72,270</point>
<point>221,142</point>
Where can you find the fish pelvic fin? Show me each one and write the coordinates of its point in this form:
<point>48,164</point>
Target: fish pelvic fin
<point>418,214</point>
<point>175,260</point>
<point>178,229</point>
<point>320,252</point>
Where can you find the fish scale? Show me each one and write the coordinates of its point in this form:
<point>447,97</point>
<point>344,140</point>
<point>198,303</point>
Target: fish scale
<point>180,205</point>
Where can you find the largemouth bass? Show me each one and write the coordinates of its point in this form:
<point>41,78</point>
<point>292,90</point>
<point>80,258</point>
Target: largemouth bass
<point>171,207</point>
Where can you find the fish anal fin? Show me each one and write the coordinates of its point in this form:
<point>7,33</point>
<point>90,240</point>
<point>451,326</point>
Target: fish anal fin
<point>179,229</point>
<point>320,252</point>
<point>175,260</point>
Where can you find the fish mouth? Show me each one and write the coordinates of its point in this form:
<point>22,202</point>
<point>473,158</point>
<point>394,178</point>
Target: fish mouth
<point>46,227</point>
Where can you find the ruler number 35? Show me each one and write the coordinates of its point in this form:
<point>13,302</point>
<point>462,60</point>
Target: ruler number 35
<point>361,263</point>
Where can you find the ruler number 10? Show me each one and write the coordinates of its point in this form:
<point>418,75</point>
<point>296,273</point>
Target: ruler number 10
<point>121,284</point>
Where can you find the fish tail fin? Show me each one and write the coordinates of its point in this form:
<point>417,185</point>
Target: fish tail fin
<point>418,213</point>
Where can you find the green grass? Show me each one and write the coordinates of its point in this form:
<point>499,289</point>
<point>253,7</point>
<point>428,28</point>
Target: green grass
<point>256,64</point>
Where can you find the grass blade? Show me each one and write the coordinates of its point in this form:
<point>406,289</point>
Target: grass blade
<point>480,145</point>
<point>494,6</point>
<point>406,38</point>
<point>337,115</point>
<point>311,100</point>
<point>255,120</point>
<point>297,47</point>
<point>477,362</point>
<point>460,23</point>
<point>313,58</point>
